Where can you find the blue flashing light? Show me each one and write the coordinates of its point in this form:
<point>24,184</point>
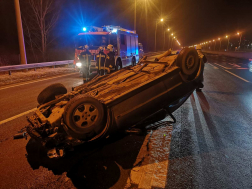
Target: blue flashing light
<point>84,29</point>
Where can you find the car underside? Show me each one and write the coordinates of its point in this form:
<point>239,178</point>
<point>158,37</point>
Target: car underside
<point>113,102</point>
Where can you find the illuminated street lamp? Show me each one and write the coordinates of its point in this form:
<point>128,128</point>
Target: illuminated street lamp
<point>240,39</point>
<point>161,20</point>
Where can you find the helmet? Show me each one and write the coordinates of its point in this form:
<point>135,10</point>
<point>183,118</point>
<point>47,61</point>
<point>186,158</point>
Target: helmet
<point>110,47</point>
<point>198,47</point>
<point>86,47</point>
<point>101,48</point>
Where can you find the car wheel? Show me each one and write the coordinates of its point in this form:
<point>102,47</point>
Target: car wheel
<point>118,65</point>
<point>188,61</point>
<point>133,61</point>
<point>49,93</point>
<point>84,117</point>
<point>175,105</point>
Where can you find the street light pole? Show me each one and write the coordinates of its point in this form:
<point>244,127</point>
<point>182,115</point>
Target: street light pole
<point>20,33</point>
<point>220,43</point>
<point>156,34</point>
<point>169,38</point>
<point>172,42</point>
<point>156,37</point>
<point>164,41</point>
<point>228,41</point>
<point>169,42</point>
<point>240,39</point>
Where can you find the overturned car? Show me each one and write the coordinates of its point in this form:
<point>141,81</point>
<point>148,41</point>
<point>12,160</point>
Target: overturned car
<point>116,101</point>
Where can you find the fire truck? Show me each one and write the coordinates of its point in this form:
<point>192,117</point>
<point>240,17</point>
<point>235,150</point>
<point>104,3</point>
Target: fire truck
<point>124,41</point>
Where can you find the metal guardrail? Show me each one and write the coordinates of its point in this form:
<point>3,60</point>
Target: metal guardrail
<point>34,66</point>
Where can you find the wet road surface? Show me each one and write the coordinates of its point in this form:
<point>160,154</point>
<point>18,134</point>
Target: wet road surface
<point>210,146</point>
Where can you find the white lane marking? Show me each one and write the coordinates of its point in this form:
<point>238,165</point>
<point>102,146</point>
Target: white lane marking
<point>222,66</point>
<point>17,116</point>
<point>234,65</point>
<point>35,81</point>
<point>238,76</point>
<point>213,66</point>
<point>206,128</point>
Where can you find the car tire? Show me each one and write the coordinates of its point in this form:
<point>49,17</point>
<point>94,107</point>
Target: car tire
<point>133,61</point>
<point>84,117</point>
<point>118,65</point>
<point>188,61</point>
<point>49,93</point>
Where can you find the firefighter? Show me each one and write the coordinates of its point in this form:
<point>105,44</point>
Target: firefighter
<point>201,85</point>
<point>110,58</point>
<point>100,60</point>
<point>85,59</point>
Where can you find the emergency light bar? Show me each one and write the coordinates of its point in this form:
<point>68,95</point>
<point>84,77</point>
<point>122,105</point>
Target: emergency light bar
<point>108,28</point>
<point>92,29</point>
<point>111,28</point>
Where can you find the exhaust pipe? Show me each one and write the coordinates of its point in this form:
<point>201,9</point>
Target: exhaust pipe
<point>20,136</point>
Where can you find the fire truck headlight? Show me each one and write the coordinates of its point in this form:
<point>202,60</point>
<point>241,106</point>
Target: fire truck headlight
<point>114,30</point>
<point>250,67</point>
<point>78,64</point>
<point>84,29</point>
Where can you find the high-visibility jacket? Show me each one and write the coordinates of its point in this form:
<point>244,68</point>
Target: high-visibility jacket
<point>100,59</point>
<point>110,60</point>
<point>85,58</point>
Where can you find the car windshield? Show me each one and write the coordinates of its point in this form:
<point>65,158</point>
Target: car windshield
<point>93,41</point>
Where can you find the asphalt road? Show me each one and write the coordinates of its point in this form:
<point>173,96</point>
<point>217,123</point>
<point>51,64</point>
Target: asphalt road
<point>210,147</point>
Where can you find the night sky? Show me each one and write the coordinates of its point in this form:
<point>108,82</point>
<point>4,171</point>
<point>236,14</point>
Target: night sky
<point>192,21</point>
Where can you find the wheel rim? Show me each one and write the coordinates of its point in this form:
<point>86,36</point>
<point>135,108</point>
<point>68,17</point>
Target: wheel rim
<point>85,115</point>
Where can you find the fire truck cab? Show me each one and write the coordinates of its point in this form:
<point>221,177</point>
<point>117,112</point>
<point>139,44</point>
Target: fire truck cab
<point>125,43</point>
